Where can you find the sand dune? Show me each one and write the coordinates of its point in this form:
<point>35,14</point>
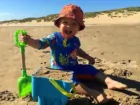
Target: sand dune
<point>129,18</point>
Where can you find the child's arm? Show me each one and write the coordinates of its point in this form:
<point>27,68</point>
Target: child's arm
<point>84,55</point>
<point>35,43</point>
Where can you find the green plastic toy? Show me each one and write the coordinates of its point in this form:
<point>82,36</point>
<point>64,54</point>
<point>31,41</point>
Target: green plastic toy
<point>24,82</point>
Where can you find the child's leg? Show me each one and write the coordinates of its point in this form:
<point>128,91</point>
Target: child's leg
<point>88,71</point>
<point>111,84</point>
<point>100,97</point>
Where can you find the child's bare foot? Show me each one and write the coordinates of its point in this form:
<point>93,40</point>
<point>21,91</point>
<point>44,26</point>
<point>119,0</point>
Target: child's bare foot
<point>112,84</point>
<point>100,97</point>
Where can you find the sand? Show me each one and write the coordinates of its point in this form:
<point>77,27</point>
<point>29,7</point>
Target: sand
<point>115,46</point>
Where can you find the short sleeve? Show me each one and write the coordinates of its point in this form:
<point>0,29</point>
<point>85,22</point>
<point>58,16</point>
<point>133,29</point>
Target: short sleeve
<point>47,41</point>
<point>77,42</point>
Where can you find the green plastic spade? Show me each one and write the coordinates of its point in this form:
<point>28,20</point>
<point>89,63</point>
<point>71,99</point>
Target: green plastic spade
<point>24,82</point>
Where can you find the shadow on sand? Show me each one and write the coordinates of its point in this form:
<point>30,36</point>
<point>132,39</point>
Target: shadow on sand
<point>100,87</point>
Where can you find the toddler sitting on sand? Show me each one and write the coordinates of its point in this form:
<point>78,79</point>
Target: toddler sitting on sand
<point>65,47</point>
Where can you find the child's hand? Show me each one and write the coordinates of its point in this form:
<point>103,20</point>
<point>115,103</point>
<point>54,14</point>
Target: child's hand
<point>26,38</point>
<point>35,43</point>
<point>91,60</point>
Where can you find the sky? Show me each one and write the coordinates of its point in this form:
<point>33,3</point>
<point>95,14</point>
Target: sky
<point>20,9</point>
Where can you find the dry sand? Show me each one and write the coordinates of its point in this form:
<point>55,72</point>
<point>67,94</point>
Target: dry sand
<point>116,48</point>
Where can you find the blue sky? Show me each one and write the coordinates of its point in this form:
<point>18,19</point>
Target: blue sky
<point>19,9</point>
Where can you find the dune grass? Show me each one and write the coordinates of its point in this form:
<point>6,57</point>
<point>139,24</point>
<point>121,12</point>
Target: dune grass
<point>111,13</point>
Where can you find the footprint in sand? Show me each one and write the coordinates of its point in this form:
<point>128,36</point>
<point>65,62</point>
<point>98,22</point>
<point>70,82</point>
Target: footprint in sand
<point>121,73</point>
<point>119,69</point>
<point>129,63</point>
<point>7,96</point>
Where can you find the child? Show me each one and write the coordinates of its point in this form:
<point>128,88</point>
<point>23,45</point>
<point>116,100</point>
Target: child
<point>65,47</point>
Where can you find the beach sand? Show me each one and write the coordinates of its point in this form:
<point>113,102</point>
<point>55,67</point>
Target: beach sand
<point>115,46</point>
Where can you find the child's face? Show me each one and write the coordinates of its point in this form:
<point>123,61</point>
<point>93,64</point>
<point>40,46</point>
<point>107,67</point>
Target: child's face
<point>68,27</point>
